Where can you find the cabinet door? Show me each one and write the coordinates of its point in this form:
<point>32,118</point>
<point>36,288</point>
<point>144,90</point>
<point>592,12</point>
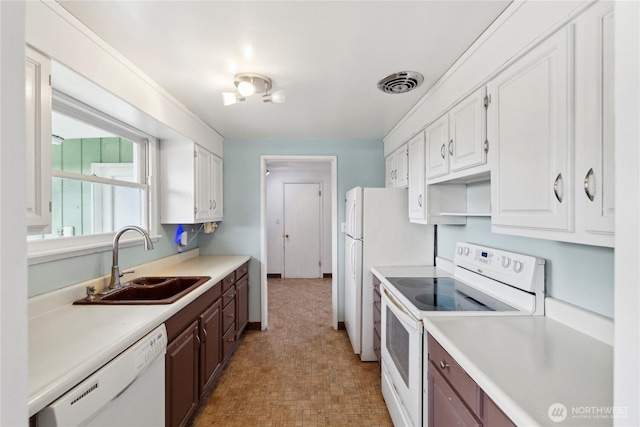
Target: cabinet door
<point>181,370</point>
<point>437,141</point>
<point>417,182</point>
<point>211,349</point>
<point>492,415</point>
<point>38,142</point>
<point>467,130</point>
<point>203,180</point>
<point>217,188</point>
<point>445,406</point>
<point>390,171</point>
<point>402,167</point>
<point>242,305</point>
<point>595,118</point>
<point>530,126</point>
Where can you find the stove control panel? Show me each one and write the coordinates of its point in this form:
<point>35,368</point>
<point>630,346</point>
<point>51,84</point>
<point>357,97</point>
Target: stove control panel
<point>512,268</point>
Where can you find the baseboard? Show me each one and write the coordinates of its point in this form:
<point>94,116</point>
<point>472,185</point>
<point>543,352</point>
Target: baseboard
<point>274,276</point>
<point>327,275</point>
<point>254,326</point>
<point>341,326</point>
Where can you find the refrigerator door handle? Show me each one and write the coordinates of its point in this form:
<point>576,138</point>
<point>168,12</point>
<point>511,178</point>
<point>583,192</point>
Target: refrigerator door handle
<point>353,258</point>
<point>351,230</point>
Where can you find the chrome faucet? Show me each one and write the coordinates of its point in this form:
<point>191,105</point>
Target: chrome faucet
<point>115,270</point>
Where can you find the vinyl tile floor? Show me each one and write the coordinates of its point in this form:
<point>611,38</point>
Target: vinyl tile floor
<point>299,372</point>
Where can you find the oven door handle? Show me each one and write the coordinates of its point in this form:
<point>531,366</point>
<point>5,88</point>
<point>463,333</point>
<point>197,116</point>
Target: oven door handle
<point>400,312</point>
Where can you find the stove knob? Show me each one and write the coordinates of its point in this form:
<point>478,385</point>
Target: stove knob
<point>459,250</point>
<point>466,251</point>
<point>506,261</point>
<point>517,266</point>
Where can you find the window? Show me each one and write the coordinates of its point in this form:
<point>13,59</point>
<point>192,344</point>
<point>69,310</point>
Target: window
<point>100,179</point>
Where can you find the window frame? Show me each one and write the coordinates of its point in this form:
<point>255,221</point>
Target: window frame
<point>46,250</point>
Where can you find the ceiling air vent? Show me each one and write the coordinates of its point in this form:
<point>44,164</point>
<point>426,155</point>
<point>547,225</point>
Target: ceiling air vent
<point>400,82</point>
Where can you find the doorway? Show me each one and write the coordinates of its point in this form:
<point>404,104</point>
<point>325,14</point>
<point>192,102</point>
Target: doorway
<point>302,223</point>
<point>304,172</point>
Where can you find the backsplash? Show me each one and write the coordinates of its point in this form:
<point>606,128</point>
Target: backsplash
<point>581,275</point>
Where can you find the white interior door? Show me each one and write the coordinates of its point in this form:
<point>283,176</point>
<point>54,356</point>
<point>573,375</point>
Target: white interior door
<point>302,230</point>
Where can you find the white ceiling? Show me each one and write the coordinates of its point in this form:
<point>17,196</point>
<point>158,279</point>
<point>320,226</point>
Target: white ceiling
<point>326,55</point>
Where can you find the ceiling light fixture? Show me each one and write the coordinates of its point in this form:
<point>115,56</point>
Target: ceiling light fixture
<point>250,83</point>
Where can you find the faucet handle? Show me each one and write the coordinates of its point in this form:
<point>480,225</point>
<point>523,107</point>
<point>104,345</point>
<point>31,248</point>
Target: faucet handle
<point>126,272</point>
<point>91,291</point>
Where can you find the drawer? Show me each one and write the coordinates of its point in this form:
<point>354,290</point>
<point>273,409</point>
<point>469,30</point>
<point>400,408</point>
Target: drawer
<point>228,341</point>
<point>228,316</point>
<point>228,296</point>
<point>460,381</point>
<point>242,270</point>
<point>377,318</point>
<point>228,281</point>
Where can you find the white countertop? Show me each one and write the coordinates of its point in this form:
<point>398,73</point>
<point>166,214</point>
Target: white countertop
<point>68,344</point>
<point>526,364</point>
<point>409,271</point>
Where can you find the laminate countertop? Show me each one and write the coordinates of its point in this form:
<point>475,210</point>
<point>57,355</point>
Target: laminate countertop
<point>68,344</point>
<point>532,366</point>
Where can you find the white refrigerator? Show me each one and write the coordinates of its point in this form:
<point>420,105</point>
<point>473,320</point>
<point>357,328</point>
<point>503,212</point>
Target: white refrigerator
<point>378,233</point>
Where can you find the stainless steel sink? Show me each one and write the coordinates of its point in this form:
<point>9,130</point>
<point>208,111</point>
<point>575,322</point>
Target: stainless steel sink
<point>149,290</point>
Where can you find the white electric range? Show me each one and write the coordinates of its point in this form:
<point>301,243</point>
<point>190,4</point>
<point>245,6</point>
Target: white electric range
<point>485,282</point>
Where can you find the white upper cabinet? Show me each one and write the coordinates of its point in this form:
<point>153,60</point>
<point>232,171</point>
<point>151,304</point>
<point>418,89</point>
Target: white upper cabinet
<point>467,130</point>
<point>217,187</point>
<point>38,142</point>
<point>190,183</point>
<point>437,139</point>
<point>529,127</point>
<point>417,181</point>
<point>397,168</point>
<point>456,141</point>
<point>595,124</point>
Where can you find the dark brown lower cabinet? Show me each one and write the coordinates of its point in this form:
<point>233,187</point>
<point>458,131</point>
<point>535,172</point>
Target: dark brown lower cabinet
<point>202,337</point>
<point>181,370</point>
<point>242,305</point>
<point>454,397</point>
<point>377,318</point>
<point>445,406</point>
<point>210,350</point>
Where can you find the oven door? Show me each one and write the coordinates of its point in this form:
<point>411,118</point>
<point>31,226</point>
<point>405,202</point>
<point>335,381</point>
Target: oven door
<point>401,362</point>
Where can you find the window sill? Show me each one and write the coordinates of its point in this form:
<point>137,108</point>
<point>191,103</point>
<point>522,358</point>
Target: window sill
<point>41,251</point>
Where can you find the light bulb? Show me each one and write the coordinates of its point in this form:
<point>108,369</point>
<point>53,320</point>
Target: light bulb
<point>246,88</point>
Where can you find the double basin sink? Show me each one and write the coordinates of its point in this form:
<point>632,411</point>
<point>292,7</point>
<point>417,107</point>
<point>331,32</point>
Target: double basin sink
<point>149,290</point>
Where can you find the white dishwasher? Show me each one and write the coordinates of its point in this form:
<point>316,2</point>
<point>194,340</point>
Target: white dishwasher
<point>127,391</point>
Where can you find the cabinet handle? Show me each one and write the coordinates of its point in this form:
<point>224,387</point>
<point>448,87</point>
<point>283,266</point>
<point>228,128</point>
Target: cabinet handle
<point>451,147</point>
<point>587,179</point>
<point>442,151</point>
<point>443,364</point>
<point>204,331</point>
<point>555,187</point>
<point>214,204</point>
<point>420,200</point>
<point>210,205</point>
<point>199,343</point>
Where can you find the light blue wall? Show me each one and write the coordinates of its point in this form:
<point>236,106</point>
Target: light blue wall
<point>53,275</point>
<point>360,163</point>
<point>578,274</point>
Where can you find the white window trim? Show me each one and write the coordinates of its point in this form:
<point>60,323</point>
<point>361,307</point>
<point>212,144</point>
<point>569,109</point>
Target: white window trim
<point>47,250</point>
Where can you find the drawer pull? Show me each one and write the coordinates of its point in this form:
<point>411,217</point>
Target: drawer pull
<point>443,364</point>
<point>230,340</point>
<point>230,315</point>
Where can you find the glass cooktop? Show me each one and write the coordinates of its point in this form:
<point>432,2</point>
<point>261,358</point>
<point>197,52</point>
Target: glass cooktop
<point>445,294</point>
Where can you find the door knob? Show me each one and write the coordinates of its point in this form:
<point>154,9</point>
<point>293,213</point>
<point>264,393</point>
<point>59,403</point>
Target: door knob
<point>286,235</point>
